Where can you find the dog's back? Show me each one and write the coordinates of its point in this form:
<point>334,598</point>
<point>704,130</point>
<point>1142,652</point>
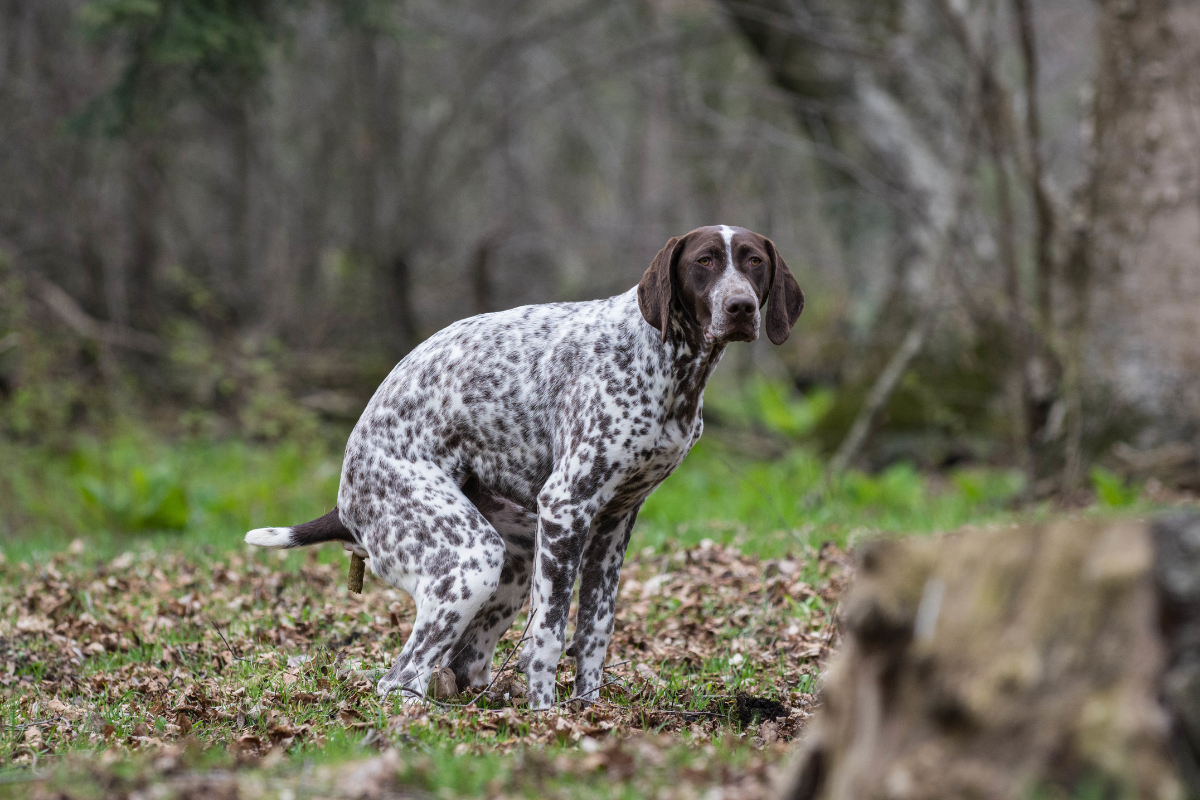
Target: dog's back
<point>493,395</point>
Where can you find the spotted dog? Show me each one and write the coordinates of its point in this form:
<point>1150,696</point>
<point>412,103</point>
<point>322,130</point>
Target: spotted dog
<point>516,448</point>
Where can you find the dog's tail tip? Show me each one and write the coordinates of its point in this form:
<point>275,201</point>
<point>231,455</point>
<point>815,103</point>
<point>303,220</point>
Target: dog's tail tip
<point>327,528</point>
<point>270,537</point>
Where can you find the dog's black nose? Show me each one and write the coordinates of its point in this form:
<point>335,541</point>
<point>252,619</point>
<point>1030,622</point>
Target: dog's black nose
<point>740,306</point>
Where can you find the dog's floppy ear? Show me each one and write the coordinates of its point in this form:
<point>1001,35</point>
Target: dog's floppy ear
<point>656,287</point>
<point>785,300</point>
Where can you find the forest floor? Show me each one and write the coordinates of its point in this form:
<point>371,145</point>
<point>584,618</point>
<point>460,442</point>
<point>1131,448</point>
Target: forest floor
<point>251,674</point>
<point>151,654</point>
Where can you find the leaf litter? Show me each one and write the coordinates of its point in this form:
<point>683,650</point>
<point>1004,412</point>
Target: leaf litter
<point>162,659</point>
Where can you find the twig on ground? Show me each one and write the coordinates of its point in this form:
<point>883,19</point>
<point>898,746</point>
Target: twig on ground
<point>427,699</point>
<point>232,654</point>
<point>684,712</point>
<point>505,662</point>
<point>595,691</point>
<point>524,638</point>
<point>651,710</point>
<point>499,672</point>
<point>23,725</point>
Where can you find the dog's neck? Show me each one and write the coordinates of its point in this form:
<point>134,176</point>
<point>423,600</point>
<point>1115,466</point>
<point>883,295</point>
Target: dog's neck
<point>693,359</point>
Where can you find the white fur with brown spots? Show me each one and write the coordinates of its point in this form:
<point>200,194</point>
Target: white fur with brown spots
<point>513,450</point>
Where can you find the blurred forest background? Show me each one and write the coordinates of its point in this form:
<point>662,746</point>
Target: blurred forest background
<point>222,222</point>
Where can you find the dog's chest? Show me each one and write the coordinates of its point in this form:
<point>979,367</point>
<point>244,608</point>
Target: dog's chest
<point>653,456</point>
<point>674,443</point>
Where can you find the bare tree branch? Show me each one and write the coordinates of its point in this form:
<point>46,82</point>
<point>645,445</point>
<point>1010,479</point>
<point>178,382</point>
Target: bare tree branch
<point>1042,203</point>
<point>880,392</point>
<point>87,326</point>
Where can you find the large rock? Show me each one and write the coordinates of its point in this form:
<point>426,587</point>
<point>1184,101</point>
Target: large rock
<point>1060,660</point>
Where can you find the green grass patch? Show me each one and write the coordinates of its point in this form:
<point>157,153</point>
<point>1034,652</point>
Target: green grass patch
<point>136,488</point>
<point>139,489</point>
<point>772,507</point>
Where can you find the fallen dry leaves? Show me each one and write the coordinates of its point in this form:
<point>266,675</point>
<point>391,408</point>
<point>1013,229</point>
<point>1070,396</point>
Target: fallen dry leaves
<point>151,651</point>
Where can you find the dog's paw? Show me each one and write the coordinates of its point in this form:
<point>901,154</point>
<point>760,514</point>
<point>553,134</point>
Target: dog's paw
<point>539,699</point>
<point>407,695</point>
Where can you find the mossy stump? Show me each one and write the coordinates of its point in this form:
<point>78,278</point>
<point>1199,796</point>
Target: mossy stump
<point>1057,660</point>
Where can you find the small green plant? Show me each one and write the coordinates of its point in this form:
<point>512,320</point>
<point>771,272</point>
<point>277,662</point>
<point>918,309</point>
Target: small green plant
<point>899,487</point>
<point>1111,489</point>
<point>138,500</point>
<point>770,406</point>
<point>777,407</point>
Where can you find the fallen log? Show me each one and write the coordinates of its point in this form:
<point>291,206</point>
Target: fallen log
<point>1057,660</point>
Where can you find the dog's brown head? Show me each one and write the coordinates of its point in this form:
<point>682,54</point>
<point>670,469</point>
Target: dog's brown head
<point>719,278</point>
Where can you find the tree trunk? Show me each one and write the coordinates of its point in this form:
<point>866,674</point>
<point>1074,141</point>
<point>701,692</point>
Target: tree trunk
<point>1144,283</point>
<point>381,241</point>
<point>482,284</point>
<point>144,204</point>
<point>242,283</point>
<point>401,307</point>
<point>364,194</point>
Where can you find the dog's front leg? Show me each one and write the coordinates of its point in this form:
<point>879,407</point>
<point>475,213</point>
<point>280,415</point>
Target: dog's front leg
<point>562,532</point>
<point>599,576</point>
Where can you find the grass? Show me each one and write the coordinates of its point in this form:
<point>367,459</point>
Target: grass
<point>150,647</point>
<point>774,506</point>
<point>133,488</point>
<point>256,661</point>
<point>136,489</point>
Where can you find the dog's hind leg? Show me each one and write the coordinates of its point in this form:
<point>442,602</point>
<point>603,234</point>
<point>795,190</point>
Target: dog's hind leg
<point>471,658</point>
<point>425,537</point>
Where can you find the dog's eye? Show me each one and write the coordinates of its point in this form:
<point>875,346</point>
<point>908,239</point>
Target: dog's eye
<point>755,261</point>
<point>705,261</point>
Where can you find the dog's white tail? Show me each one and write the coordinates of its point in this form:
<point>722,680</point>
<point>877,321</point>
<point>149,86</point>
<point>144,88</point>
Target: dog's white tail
<point>328,528</point>
<point>270,537</point>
